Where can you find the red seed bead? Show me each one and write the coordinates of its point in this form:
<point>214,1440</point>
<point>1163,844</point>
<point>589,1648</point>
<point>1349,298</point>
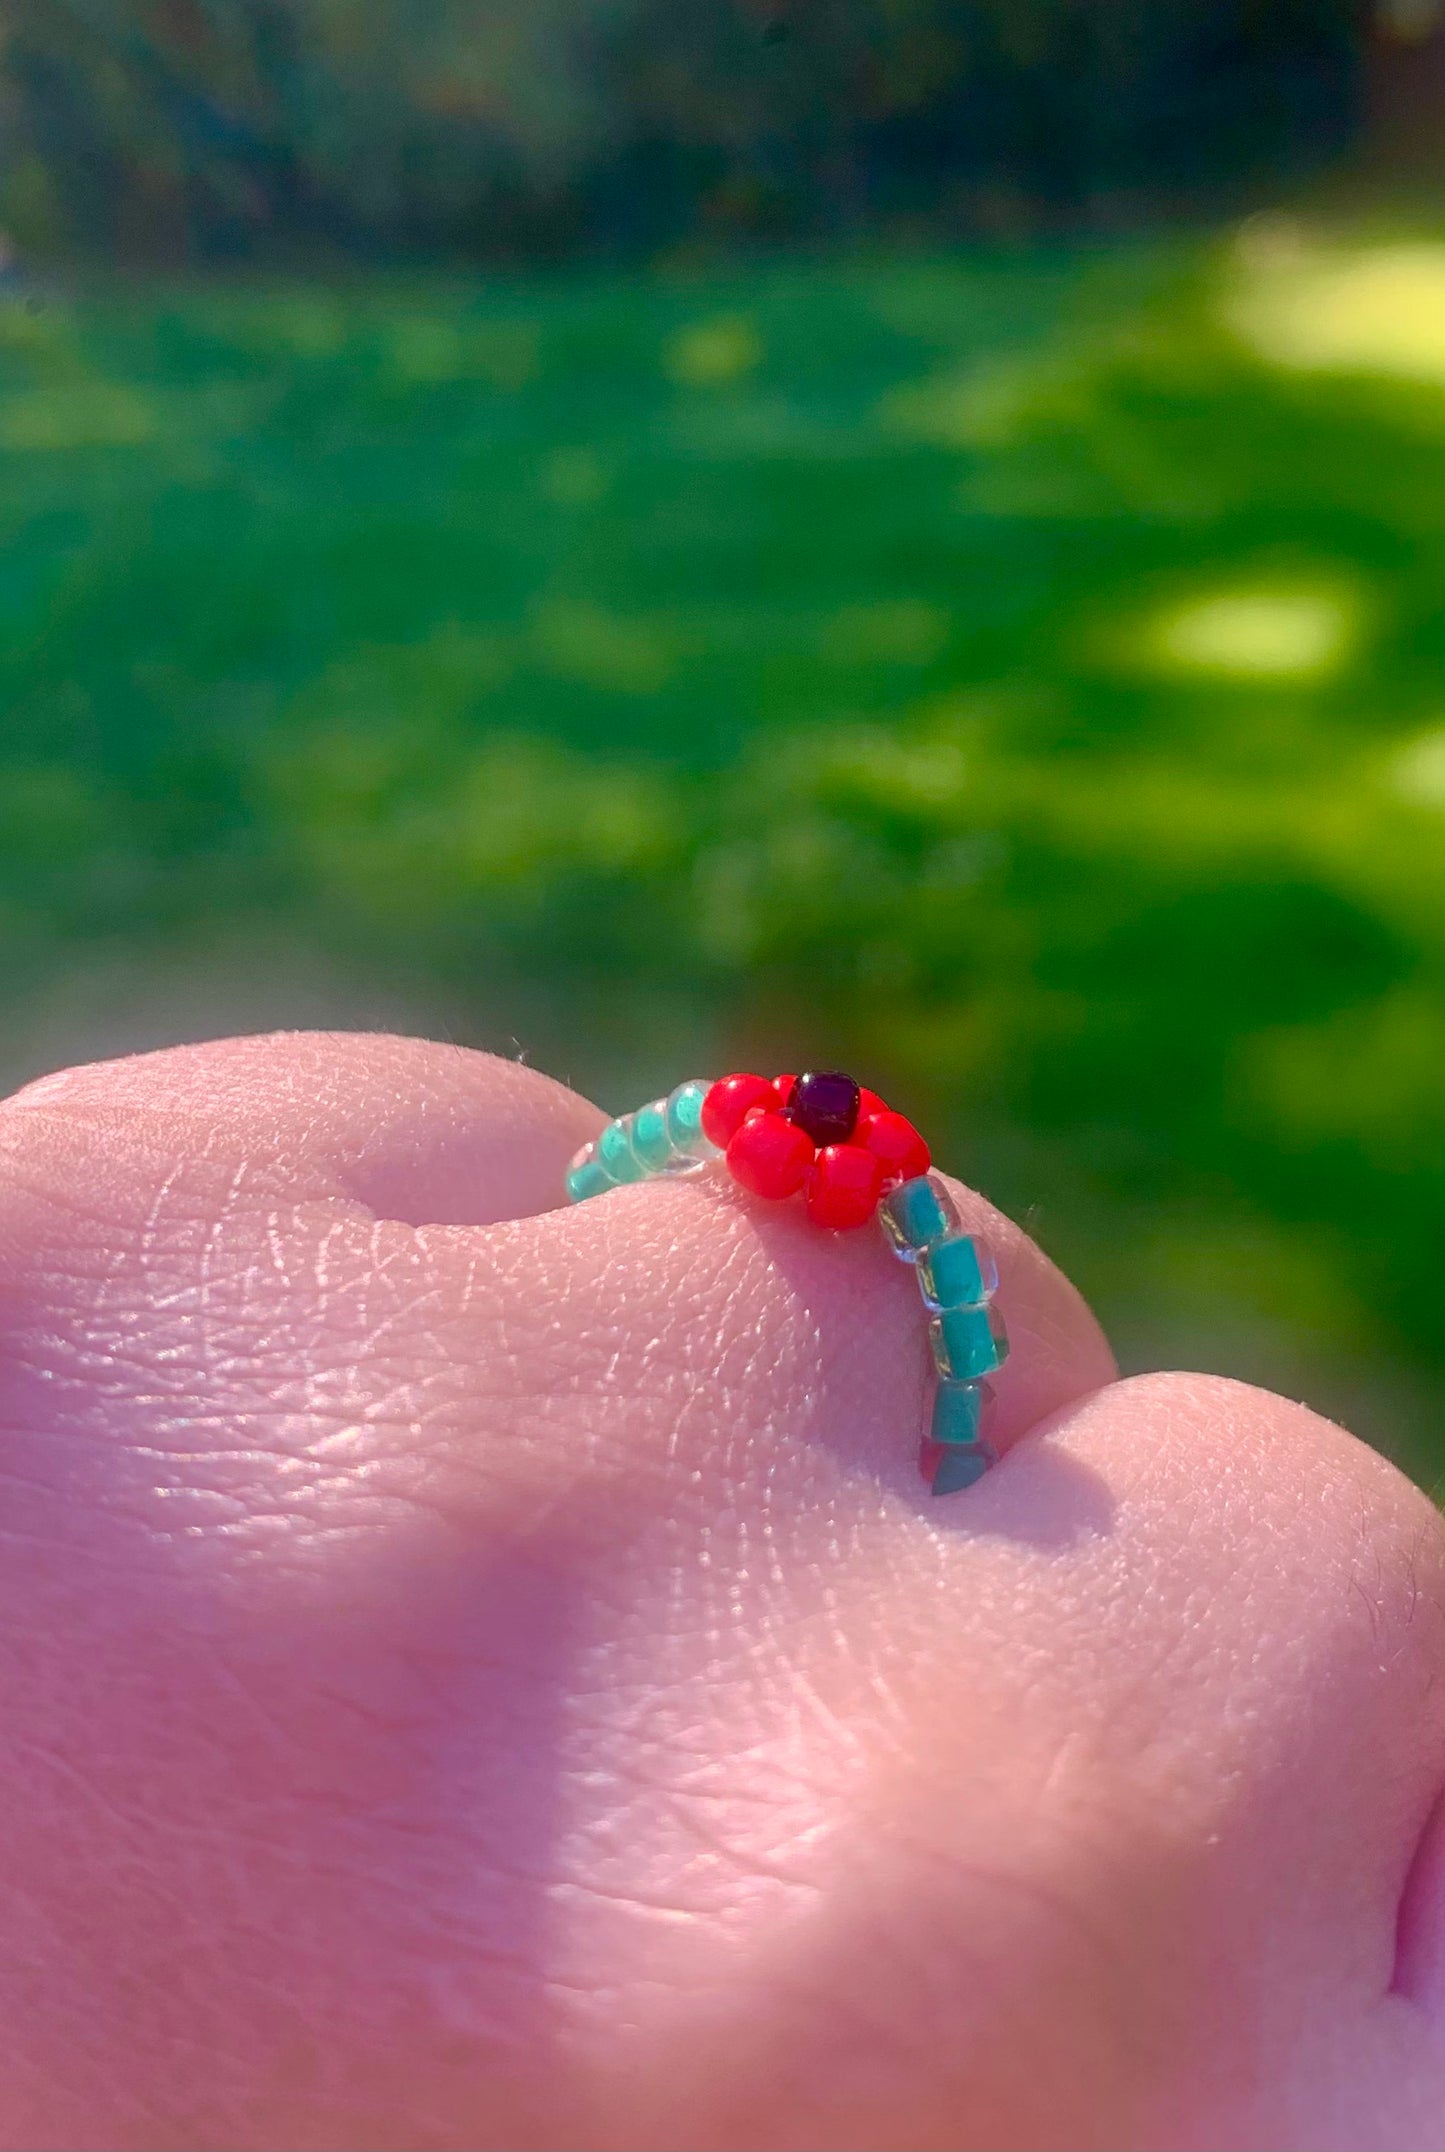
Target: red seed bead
<point>783,1085</point>
<point>869,1103</point>
<point>728,1104</point>
<point>844,1186</point>
<point>930,1457</point>
<point>770,1156</point>
<point>896,1143</point>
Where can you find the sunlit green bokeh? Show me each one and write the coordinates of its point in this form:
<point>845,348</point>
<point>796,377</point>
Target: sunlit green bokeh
<point>1020,678</point>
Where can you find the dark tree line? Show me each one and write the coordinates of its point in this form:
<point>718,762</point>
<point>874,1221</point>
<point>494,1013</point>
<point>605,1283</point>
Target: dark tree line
<point>209,128</point>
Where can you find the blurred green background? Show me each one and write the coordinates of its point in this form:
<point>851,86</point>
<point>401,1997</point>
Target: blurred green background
<point>1001,650</point>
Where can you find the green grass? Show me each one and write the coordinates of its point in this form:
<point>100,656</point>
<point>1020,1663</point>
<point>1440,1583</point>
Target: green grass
<point>1023,680</point>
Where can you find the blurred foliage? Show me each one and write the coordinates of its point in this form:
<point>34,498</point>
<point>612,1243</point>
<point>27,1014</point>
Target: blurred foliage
<point>1022,679</point>
<point>186,129</point>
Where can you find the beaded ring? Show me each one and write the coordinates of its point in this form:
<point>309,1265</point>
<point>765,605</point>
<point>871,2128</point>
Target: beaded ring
<point>851,1158</point>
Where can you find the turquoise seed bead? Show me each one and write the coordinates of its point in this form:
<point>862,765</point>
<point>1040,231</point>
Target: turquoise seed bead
<point>588,1178</point>
<point>651,1143</point>
<point>960,1468</point>
<point>957,1274</point>
<point>684,1120</point>
<point>614,1149</point>
<point>917,1214</point>
<point>961,1413</point>
<point>967,1342</point>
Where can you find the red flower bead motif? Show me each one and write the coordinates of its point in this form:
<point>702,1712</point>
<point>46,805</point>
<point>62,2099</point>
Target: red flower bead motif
<point>894,1140</point>
<point>769,1155</point>
<point>730,1101</point>
<point>794,1131</point>
<point>844,1186</point>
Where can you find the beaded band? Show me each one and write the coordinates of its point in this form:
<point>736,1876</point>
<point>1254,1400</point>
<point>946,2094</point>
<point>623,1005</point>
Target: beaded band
<point>826,1138</point>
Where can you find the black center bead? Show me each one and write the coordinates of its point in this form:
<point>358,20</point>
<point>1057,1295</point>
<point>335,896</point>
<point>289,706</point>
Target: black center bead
<point>825,1106</point>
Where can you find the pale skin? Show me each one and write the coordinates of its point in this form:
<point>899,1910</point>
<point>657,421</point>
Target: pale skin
<point>477,1674</point>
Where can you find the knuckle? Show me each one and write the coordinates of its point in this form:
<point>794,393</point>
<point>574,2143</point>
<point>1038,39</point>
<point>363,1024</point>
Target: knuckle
<point>1287,1502</point>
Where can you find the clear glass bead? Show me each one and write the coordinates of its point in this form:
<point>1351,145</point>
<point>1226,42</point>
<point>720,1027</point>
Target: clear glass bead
<point>587,1176</point>
<point>651,1140</point>
<point>962,1413</point>
<point>968,1342</point>
<point>614,1151</point>
<point>960,1468</point>
<point>684,1125</point>
<point>917,1215</point>
<point>957,1273</point>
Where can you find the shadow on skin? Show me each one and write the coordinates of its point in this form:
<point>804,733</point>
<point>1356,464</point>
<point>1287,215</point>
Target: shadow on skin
<point>1038,1495</point>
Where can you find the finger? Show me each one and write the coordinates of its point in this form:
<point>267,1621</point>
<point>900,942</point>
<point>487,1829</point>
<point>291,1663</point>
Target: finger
<point>415,1131</point>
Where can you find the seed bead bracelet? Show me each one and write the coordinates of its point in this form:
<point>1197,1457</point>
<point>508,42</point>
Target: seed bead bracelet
<point>836,1144</point>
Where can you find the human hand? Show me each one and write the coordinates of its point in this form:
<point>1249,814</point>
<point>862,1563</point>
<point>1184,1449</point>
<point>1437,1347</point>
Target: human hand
<point>481,1674</point>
